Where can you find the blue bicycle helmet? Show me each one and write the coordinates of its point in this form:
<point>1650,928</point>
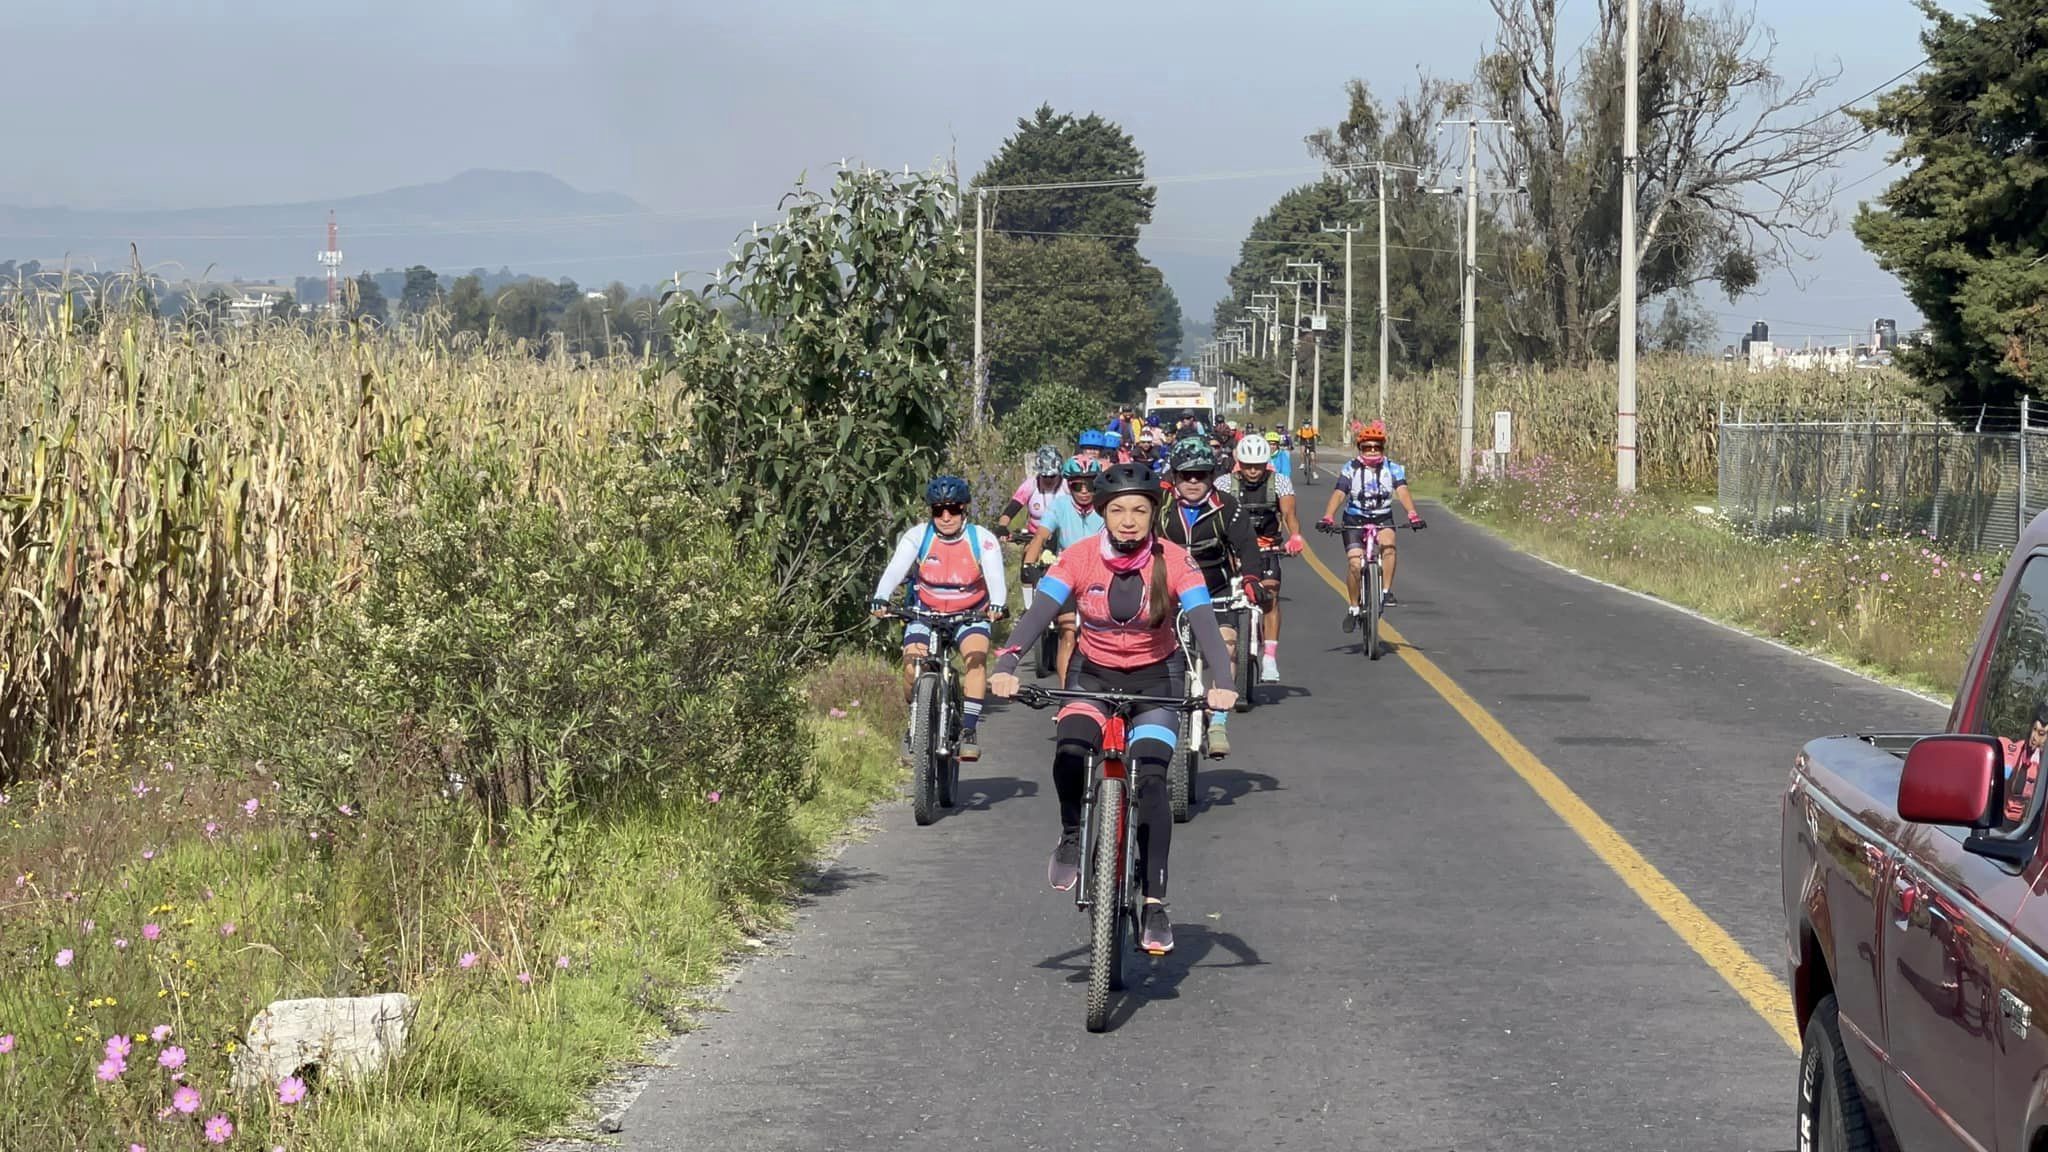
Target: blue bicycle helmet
<point>1092,438</point>
<point>947,490</point>
<point>1112,440</point>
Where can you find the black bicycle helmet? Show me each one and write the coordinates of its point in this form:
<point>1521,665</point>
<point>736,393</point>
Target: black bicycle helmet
<point>1192,454</point>
<point>1126,480</point>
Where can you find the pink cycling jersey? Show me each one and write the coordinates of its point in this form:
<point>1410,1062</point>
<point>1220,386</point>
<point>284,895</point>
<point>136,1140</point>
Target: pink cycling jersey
<point>1035,502</point>
<point>950,579</point>
<point>1083,574</point>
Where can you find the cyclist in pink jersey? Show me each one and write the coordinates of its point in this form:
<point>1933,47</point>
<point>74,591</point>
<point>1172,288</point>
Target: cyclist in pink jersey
<point>952,568</point>
<point>1128,586</point>
<point>1034,496</point>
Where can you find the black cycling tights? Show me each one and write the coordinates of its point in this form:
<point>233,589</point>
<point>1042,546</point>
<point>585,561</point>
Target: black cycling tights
<point>1078,735</point>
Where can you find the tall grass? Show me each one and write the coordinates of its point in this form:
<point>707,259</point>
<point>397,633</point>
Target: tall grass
<point>166,496</point>
<point>1567,414</point>
<point>1897,605</point>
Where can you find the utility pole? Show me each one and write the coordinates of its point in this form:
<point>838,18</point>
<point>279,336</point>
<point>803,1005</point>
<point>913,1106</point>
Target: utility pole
<point>1348,230</point>
<point>1383,294</point>
<point>980,372</point>
<point>1625,357</point>
<point>1470,326</point>
<point>1293,347</point>
<point>1316,395</point>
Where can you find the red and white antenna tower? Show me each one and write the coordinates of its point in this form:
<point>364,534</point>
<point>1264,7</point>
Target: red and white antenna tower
<point>331,259</point>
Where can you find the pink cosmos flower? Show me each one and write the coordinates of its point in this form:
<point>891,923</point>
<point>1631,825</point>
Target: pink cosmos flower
<point>173,1058</point>
<point>112,1067</point>
<point>120,944</point>
<point>64,958</point>
<point>141,789</point>
<point>6,1044</point>
<point>138,1148</point>
<point>291,1090</point>
<point>228,929</point>
<point>836,713</point>
<point>211,830</point>
<point>151,931</point>
<point>525,977</point>
<point>118,1047</point>
<point>219,1130</point>
<point>713,797</point>
<point>853,704</point>
<point>160,1033</point>
<point>250,806</point>
<point>345,810</point>
<point>1884,577</point>
<point>467,962</point>
<point>149,854</point>
<point>186,1100</point>
<point>1976,577</point>
<point>562,962</point>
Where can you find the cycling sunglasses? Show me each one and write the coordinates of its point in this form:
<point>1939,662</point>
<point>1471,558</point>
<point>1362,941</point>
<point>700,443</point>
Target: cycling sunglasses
<point>1199,477</point>
<point>949,509</point>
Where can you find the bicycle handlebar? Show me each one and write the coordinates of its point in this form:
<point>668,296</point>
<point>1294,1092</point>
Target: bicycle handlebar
<point>1337,526</point>
<point>936,619</point>
<point>1034,696</point>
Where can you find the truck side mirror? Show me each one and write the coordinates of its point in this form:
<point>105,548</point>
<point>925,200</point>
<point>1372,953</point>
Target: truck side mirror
<point>1953,779</point>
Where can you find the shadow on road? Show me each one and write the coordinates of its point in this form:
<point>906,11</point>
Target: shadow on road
<point>981,795</point>
<point>1226,786</point>
<point>1159,978</point>
<point>831,882</point>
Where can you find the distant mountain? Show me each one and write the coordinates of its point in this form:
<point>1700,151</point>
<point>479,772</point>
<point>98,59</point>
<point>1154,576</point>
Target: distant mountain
<point>529,221</point>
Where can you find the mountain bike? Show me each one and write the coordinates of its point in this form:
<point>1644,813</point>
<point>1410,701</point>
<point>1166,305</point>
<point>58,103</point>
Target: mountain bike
<point>1111,890</point>
<point>1369,584</point>
<point>936,706</point>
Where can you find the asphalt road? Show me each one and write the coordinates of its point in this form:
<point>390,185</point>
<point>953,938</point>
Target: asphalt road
<point>1387,940</point>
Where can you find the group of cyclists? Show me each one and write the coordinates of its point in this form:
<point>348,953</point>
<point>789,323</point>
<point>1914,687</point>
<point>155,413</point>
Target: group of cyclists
<point>1143,526</point>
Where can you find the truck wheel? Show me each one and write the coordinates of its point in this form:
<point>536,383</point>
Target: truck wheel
<point>1831,1113</point>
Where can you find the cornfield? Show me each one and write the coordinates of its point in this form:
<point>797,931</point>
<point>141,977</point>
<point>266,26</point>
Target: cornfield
<point>1568,414</point>
<point>166,496</point>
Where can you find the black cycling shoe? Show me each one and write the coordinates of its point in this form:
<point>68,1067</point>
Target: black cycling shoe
<point>1156,937</point>
<point>1351,619</point>
<point>1387,599</point>
<point>1064,871</point>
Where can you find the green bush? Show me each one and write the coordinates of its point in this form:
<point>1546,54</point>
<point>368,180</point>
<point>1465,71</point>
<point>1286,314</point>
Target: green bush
<point>532,658</point>
<point>1051,414</point>
<point>817,428</point>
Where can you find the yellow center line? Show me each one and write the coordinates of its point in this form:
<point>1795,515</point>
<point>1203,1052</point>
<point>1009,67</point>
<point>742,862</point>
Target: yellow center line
<point>1750,979</point>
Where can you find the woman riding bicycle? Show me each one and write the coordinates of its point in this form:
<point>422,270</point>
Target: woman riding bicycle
<point>1126,584</point>
<point>1366,489</point>
<point>952,568</point>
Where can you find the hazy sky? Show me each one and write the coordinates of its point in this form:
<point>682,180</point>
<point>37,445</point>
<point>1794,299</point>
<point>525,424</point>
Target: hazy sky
<point>714,108</point>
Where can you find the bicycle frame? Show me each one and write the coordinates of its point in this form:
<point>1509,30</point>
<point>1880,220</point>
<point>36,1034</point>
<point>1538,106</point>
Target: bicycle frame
<point>1107,763</point>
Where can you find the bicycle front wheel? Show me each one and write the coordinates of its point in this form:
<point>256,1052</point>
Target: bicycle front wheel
<point>924,749</point>
<point>1247,662</point>
<point>1372,611</point>
<point>1106,908</point>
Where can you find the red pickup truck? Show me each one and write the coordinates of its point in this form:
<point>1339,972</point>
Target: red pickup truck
<point>1915,925</point>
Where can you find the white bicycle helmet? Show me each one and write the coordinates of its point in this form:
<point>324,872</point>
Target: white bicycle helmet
<point>1254,450</point>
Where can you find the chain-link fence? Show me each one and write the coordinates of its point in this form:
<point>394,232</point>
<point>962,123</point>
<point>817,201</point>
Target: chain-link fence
<point>1972,488</point>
